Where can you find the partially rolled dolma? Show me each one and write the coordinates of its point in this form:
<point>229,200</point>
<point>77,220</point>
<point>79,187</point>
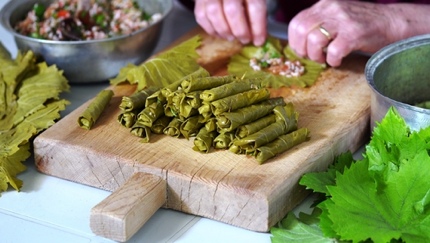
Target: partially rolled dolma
<point>230,89</point>
<point>140,130</point>
<point>90,115</point>
<point>223,140</point>
<point>160,124</point>
<point>255,126</point>
<point>150,113</point>
<point>281,144</point>
<point>173,129</point>
<point>204,140</point>
<point>228,121</point>
<point>190,85</point>
<point>190,127</point>
<point>239,100</point>
<point>137,100</point>
<point>128,118</point>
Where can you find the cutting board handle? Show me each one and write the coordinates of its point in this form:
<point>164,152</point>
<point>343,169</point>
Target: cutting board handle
<point>126,210</point>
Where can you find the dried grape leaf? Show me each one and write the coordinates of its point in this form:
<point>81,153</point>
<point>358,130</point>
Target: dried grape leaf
<point>163,69</point>
<point>239,65</point>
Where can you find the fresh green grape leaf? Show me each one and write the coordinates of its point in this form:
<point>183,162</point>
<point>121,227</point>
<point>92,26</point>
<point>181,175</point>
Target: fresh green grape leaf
<point>318,181</point>
<point>301,230</point>
<point>361,211</point>
<point>163,69</point>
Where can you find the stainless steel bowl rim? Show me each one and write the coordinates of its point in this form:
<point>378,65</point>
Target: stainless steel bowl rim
<point>5,15</point>
<point>388,51</point>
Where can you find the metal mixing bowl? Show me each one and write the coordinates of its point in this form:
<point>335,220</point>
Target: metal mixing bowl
<point>399,75</point>
<point>93,60</point>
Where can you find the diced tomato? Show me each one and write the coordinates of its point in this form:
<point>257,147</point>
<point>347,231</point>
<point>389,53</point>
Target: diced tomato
<point>63,14</point>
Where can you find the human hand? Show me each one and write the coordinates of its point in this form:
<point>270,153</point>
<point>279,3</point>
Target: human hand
<point>244,20</point>
<point>350,26</point>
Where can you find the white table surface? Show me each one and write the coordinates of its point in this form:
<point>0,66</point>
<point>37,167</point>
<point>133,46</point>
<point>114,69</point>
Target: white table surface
<point>49,209</point>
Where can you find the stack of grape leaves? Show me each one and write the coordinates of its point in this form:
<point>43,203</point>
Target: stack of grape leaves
<point>29,103</point>
<point>179,112</point>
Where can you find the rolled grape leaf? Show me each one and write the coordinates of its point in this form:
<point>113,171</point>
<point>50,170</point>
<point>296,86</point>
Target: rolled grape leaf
<point>199,73</point>
<point>173,129</point>
<point>190,127</point>
<point>262,137</point>
<point>204,140</point>
<point>141,130</point>
<point>127,118</point>
<point>286,121</point>
<point>205,111</point>
<point>189,85</point>
<point>163,69</point>
<point>150,114</point>
<point>288,115</point>
<point>189,104</point>
<point>236,149</point>
<point>231,89</point>
<point>90,115</point>
<point>154,98</point>
<point>137,100</point>
<point>281,144</point>
<point>210,124</point>
<point>160,124</point>
<point>173,103</point>
<point>252,127</point>
<point>223,140</point>
<point>239,100</point>
<point>228,121</point>
<point>240,65</point>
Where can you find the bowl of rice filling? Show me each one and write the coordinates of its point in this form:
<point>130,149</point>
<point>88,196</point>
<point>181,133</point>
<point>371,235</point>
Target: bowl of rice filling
<point>91,40</point>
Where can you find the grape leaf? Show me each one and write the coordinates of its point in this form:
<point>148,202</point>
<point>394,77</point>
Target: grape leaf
<point>304,229</point>
<point>239,66</point>
<point>318,181</point>
<point>385,197</point>
<point>361,211</point>
<point>30,103</point>
<point>164,68</point>
<point>10,166</point>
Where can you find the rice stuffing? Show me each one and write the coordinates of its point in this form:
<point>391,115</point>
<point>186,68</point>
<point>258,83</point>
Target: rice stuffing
<point>73,20</point>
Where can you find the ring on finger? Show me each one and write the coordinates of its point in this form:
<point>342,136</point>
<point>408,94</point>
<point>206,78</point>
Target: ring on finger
<point>325,32</point>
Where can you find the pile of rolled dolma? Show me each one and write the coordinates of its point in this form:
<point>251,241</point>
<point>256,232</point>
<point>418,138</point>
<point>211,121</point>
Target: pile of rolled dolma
<point>220,112</point>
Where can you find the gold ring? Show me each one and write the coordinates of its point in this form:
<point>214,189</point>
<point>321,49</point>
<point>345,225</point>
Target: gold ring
<point>325,32</point>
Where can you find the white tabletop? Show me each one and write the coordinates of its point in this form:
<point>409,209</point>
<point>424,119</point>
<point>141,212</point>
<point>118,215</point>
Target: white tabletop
<point>49,209</point>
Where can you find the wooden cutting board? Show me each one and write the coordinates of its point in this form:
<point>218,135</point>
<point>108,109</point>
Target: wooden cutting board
<point>219,185</point>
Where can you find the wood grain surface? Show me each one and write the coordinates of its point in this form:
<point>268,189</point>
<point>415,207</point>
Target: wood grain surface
<point>219,185</point>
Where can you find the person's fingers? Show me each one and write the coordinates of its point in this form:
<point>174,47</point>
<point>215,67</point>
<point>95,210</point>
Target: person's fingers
<point>257,10</point>
<point>236,17</point>
<point>201,17</point>
<point>339,48</point>
<point>298,30</point>
<point>214,13</point>
<point>317,41</point>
